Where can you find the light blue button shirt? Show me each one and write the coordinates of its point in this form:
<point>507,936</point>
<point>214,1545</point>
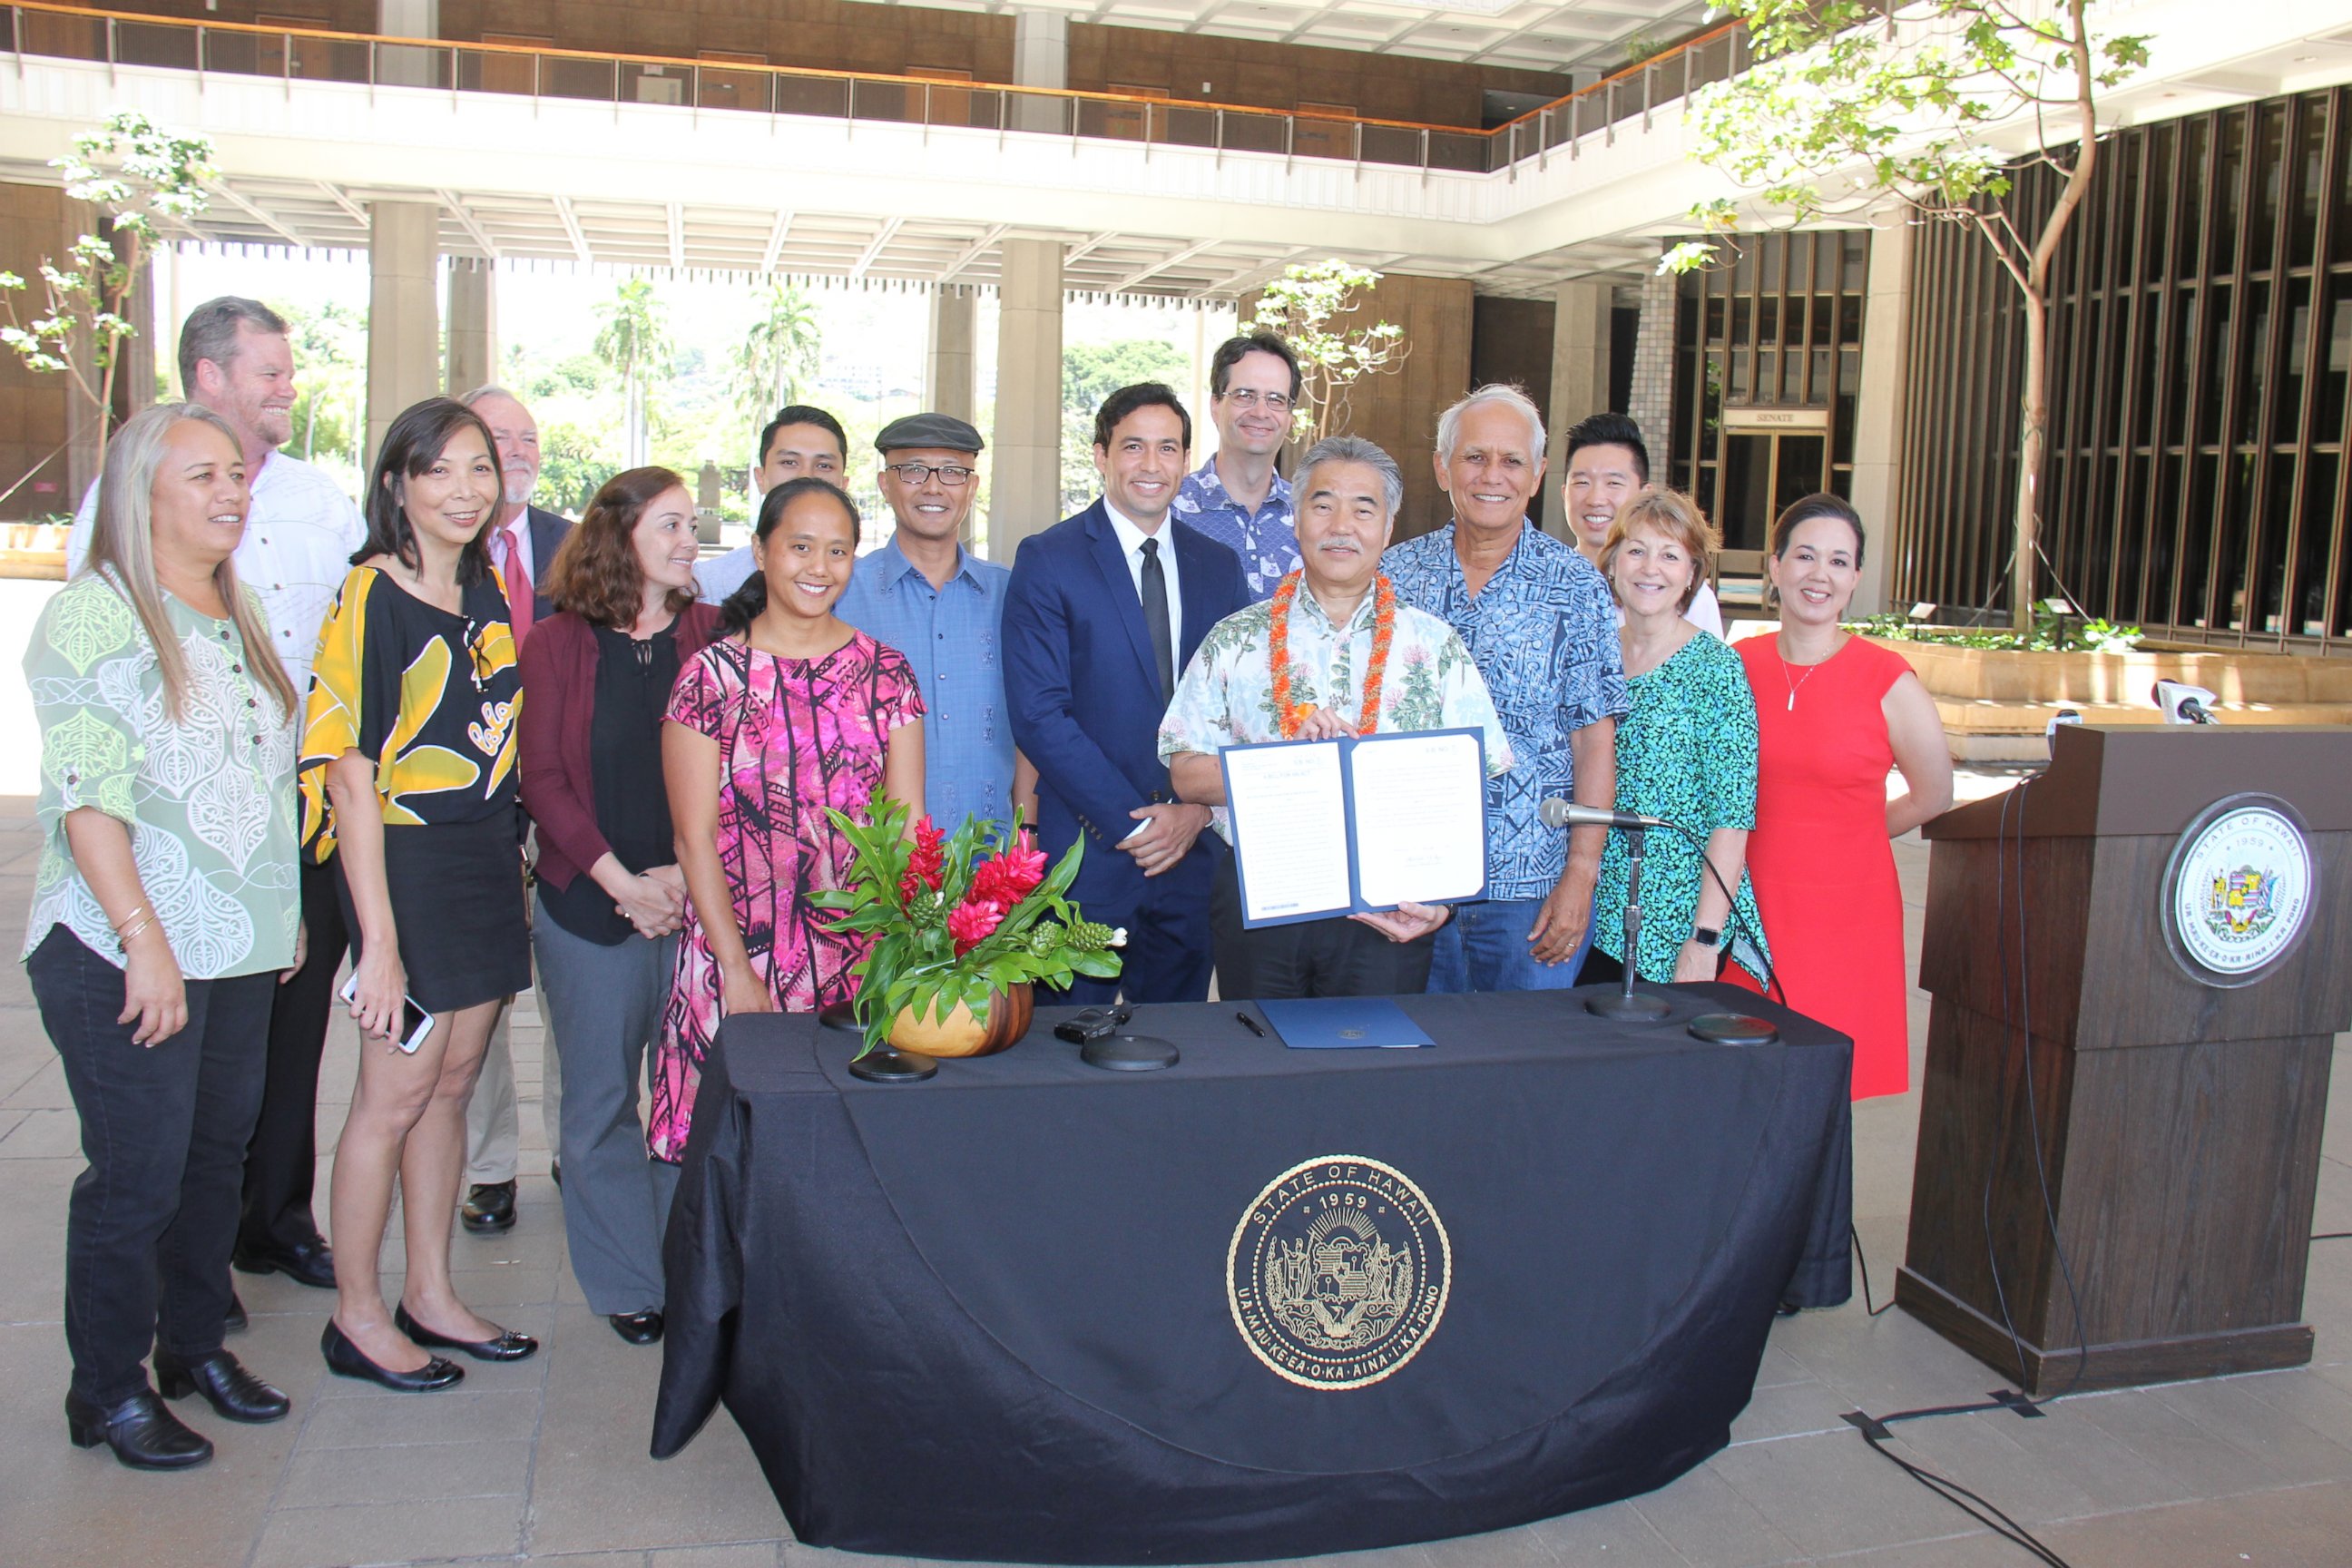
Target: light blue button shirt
<point>952,637</point>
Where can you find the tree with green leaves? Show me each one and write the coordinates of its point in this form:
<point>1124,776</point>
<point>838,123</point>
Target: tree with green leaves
<point>779,354</point>
<point>1853,107</point>
<point>1317,307</point>
<point>635,341</point>
<point>135,172</point>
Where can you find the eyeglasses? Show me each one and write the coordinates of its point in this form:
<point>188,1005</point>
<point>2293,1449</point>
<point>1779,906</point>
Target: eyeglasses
<point>1246,397</point>
<point>955,475</point>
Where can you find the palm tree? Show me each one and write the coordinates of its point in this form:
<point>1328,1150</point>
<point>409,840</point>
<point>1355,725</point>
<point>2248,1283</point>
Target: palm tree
<point>635,339</point>
<point>779,355</point>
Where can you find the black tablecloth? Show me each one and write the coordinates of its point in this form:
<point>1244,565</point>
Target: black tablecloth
<point>989,1317</point>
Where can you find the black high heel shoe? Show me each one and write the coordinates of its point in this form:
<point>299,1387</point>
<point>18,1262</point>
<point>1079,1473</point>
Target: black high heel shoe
<point>345,1359</point>
<point>235,1394</point>
<point>509,1345</point>
<point>142,1432</point>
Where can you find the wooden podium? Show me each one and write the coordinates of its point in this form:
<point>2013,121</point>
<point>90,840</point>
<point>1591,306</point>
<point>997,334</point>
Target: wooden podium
<point>2178,1106</point>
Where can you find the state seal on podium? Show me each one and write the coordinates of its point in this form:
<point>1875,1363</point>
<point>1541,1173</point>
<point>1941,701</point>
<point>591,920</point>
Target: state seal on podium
<point>2238,889</point>
<point>1339,1272</point>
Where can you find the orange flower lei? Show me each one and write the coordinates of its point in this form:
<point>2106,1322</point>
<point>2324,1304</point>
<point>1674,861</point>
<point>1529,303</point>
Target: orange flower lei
<point>1291,715</point>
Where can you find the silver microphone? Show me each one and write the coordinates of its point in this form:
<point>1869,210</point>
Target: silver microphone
<point>1558,813</point>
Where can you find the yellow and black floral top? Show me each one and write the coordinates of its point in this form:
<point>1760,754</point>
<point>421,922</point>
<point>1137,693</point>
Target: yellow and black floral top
<point>429,697</point>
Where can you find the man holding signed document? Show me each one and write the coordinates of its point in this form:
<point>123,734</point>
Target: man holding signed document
<point>1331,840</point>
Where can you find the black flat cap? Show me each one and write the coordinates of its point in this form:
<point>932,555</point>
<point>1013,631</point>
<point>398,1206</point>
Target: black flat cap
<point>943,431</point>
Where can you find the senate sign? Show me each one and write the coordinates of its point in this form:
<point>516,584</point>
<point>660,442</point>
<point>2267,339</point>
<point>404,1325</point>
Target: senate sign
<point>1339,1272</point>
<point>2238,891</point>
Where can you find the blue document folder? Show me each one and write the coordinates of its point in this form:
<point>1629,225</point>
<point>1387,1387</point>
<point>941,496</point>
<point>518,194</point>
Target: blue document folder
<point>1343,1023</point>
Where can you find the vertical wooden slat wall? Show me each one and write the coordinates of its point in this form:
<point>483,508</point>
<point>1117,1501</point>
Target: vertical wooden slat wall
<point>2196,478</point>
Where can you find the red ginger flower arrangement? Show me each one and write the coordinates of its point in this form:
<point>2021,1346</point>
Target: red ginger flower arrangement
<point>957,917</point>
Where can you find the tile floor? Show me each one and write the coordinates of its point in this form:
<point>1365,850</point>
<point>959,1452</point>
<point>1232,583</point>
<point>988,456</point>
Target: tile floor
<point>545,1462</point>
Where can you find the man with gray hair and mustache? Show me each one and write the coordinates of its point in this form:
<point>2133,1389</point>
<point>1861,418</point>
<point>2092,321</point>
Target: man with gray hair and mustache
<point>523,541</point>
<point>1332,653</point>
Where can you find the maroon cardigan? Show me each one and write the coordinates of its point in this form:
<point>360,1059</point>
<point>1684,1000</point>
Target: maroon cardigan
<point>558,683</point>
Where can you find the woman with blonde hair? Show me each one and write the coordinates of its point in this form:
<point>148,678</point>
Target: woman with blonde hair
<point>1685,754</point>
<point>164,912</point>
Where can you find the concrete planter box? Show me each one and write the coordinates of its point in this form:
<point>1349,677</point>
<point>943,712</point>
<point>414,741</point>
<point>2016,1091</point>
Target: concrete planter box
<point>1995,703</point>
<point>2239,679</point>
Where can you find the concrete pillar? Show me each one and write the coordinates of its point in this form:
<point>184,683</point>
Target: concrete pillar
<point>1879,412</point>
<point>1041,58</point>
<point>947,368</point>
<point>1579,382</point>
<point>399,66</point>
<point>1025,494</point>
<point>403,313</point>
<point>473,325</point>
<point>1651,404</point>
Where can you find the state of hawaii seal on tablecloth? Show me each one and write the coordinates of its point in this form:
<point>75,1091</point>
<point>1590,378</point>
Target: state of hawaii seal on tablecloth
<point>1339,1272</point>
<point>2238,889</point>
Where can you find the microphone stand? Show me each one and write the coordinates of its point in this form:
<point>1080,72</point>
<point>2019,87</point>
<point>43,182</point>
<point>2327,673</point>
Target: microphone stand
<point>1625,1004</point>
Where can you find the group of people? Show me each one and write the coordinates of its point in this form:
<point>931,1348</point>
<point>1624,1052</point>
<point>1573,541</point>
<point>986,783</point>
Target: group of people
<point>484,750</point>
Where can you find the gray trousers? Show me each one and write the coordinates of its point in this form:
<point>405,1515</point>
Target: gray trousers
<point>493,1118</point>
<point>605,1012</point>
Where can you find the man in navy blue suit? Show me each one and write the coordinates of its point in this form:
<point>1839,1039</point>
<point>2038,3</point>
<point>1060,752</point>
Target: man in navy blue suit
<point>1103,613</point>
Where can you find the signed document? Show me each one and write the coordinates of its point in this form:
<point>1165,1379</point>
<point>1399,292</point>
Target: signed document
<point>1336,827</point>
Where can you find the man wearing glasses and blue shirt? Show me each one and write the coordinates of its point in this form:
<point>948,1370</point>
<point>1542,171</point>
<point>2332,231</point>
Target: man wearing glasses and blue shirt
<point>1236,497</point>
<point>943,607</point>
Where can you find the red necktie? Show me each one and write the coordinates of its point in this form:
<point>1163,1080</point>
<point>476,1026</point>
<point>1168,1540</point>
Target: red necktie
<point>518,576</point>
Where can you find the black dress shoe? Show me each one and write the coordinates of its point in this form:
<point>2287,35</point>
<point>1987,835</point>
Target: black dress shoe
<point>488,1207</point>
<point>308,1262</point>
<point>142,1430</point>
<point>236,1318</point>
<point>345,1359</point>
<point>638,1328</point>
<point>507,1346</point>
<point>235,1394</point>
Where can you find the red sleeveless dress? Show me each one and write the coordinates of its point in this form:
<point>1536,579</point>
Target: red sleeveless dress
<point>1819,859</point>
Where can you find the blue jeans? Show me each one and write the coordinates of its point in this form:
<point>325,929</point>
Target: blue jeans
<point>1485,947</point>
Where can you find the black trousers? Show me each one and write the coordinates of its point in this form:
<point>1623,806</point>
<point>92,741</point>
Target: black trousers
<point>282,1164</point>
<point>153,1215</point>
<point>1335,957</point>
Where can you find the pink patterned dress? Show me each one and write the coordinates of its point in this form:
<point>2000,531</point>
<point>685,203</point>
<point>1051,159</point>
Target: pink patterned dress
<point>795,737</point>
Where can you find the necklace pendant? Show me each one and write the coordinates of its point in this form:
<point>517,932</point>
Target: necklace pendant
<point>1792,702</point>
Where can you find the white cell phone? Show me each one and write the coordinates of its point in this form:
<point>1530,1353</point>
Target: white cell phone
<point>416,1022</point>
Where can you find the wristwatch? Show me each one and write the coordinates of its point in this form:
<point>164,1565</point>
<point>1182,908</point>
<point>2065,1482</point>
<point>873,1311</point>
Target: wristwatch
<point>1707,936</point>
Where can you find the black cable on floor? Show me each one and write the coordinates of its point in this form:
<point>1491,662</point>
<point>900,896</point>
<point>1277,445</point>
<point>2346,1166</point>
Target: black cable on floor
<point>1875,1434</point>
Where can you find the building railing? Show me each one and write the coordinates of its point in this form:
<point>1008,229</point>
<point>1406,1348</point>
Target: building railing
<point>115,38</point>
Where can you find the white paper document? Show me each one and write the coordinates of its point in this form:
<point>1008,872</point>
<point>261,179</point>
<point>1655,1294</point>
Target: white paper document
<point>1334,828</point>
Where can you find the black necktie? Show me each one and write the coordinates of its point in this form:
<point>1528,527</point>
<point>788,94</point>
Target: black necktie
<point>1155,617</point>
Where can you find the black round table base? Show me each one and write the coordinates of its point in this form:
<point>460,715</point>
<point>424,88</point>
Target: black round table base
<point>1129,1053</point>
<point>888,1064</point>
<point>1636,1009</point>
<point>1733,1029</point>
<point>841,1018</point>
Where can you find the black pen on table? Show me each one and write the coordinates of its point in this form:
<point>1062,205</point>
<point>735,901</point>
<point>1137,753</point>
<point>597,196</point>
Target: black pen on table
<point>1250,1024</point>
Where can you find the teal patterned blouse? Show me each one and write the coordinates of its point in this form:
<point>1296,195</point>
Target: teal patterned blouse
<point>208,799</point>
<point>1687,753</point>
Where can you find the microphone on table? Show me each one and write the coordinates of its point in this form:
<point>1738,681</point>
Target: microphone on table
<point>1559,813</point>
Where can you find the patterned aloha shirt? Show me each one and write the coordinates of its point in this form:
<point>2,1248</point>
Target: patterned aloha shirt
<point>1267,542</point>
<point>1544,632</point>
<point>209,798</point>
<point>1226,698</point>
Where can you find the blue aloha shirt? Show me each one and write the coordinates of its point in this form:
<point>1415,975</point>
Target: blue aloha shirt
<point>1267,542</point>
<point>1543,632</point>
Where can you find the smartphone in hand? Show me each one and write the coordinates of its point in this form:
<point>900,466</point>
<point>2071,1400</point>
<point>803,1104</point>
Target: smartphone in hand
<point>416,1022</point>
